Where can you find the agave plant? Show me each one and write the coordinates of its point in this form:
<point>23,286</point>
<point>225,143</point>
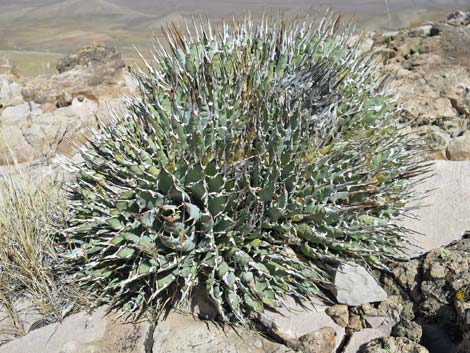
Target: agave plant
<point>252,162</point>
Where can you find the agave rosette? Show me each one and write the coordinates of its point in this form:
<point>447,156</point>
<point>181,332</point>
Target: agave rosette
<point>251,162</point>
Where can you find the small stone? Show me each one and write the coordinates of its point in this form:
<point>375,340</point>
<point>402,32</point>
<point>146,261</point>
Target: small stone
<point>408,329</point>
<point>321,341</point>
<point>340,314</point>
<point>356,323</point>
<point>437,271</point>
<point>391,307</point>
<point>359,339</point>
<point>355,286</point>
<point>393,344</point>
<point>368,309</point>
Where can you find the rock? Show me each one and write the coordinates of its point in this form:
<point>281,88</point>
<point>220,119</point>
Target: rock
<point>93,55</point>
<point>295,321</point>
<point>445,216</point>
<point>18,113</point>
<point>41,137</point>
<point>431,63</point>
<point>180,333</point>
<point>459,18</point>
<point>359,339</point>
<point>93,71</point>
<point>8,88</point>
<point>426,31</point>
<point>408,329</point>
<point>84,333</point>
<point>459,148</point>
<point>19,319</point>
<point>321,341</point>
<point>394,308</point>
<point>395,345</point>
<point>462,307</point>
<point>356,323</point>
<point>355,286</point>
<point>438,283</point>
<point>339,314</point>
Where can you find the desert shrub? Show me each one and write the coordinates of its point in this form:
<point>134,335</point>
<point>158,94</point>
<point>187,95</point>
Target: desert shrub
<point>32,212</point>
<point>251,163</point>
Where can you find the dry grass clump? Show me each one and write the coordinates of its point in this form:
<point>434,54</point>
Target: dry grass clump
<point>32,210</point>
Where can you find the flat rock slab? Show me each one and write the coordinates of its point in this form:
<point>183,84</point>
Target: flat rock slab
<point>360,339</point>
<point>297,321</point>
<point>83,333</point>
<point>180,333</point>
<point>355,286</point>
<point>447,214</point>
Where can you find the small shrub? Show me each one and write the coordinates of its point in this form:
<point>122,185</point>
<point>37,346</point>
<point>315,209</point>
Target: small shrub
<point>251,163</point>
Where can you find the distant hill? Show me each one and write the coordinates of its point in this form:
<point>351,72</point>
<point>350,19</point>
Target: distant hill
<point>61,26</point>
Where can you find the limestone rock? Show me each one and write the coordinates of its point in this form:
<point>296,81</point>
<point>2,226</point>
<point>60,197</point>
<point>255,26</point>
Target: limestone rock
<point>321,341</point>
<point>18,113</point>
<point>395,345</point>
<point>459,148</point>
<point>19,319</point>
<point>408,329</point>
<point>444,217</point>
<point>295,321</point>
<point>355,286</point>
<point>83,333</point>
<point>9,88</point>
<point>459,18</point>
<point>96,55</point>
<point>462,307</point>
<point>94,71</point>
<point>431,78</point>
<point>359,339</point>
<point>180,333</point>
<point>339,314</point>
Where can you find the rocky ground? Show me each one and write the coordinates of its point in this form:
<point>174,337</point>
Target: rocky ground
<point>421,305</point>
<point>429,67</point>
<point>44,117</point>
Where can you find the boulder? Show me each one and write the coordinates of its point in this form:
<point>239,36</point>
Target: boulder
<point>106,58</point>
<point>94,71</point>
<point>40,137</point>
<point>355,286</point>
<point>395,345</point>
